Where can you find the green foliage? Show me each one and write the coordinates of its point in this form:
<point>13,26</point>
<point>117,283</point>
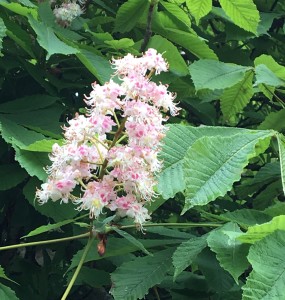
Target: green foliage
<point>223,155</point>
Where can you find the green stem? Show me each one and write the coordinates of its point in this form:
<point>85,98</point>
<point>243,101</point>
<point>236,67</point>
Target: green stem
<point>73,279</point>
<point>70,238</point>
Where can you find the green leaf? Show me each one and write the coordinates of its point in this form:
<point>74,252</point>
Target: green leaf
<point>33,162</point>
<point>176,63</point>
<point>19,9</point>
<point>42,146</point>
<point>186,39</point>
<point>128,14</point>
<point>215,75</point>
<point>11,175</point>
<point>2,34</point>
<point>274,121</point>
<point>3,275</point>
<point>267,279</point>
<point>258,232</point>
<point>186,252</point>
<point>213,164</point>
<point>120,44</point>
<point>271,64</point>
<point>119,246</point>
<point>230,253</point>
<point>49,41</point>
<point>97,65</point>
<point>46,228</point>
<point>176,143</point>
<point>28,103</point>
<point>199,8</point>
<point>281,147</point>
<point>6,293</point>
<point>235,98</point>
<point>243,13</point>
<point>56,211</point>
<point>177,12</point>
<point>131,239</point>
<point>133,279</point>
<point>265,76</point>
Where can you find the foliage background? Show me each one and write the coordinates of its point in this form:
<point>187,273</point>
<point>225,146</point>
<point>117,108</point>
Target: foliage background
<point>224,155</point>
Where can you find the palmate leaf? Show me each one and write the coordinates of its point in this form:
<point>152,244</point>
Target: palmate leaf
<point>129,14</point>
<point>199,8</point>
<point>213,164</point>
<point>176,143</point>
<point>243,13</point>
<point>215,75</point>
<point>186,252</point>
<point>267,279</point>
<point>132,280</point>
<point>235,98</point>
<point>258,232</point>
<point>230,253</point>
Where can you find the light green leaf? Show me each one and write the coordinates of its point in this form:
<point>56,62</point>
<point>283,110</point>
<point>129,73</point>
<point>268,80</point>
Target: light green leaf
<point>199,8</point>
<point>128,14</point>
<point>33,162</point>
<point>213,164</point>
<point>267,279</point>
<point>19,9</point>
<point>243,13</point>
<point>186,252</point>
<point>176,63</point>
<point>120,44</point>
<point>42,146</point>
<point>258,232</point>
<point>2,33</point>
<point>235,98</point>
<point>11,175</point>
<point>131,239</point>
<point>176,143</point>
<point>46,228</point>
<point>6,293</point>
<point>49,41</point>
<point>133,279</point>
<point>265,76</point>
<point>271,64</point>
<point>215,75</point>
<point>230,253</point>
<point>176,12</point>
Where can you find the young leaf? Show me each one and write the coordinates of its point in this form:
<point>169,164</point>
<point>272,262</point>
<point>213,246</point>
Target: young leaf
<point>230,253</point>
<point>235,98</point>
<point>131,239</point>
<point>215,75</point>
<point>11,175</point>
<point>243,13</point>
<point>133,279</point>
<point>267,279</point>
<point>199,8</point>
<point>213,164</point>
<point>258,232</point>
<point>6,293</point>
<point>128,14</point>
<point>186,252</point>
<point>42,146</point>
